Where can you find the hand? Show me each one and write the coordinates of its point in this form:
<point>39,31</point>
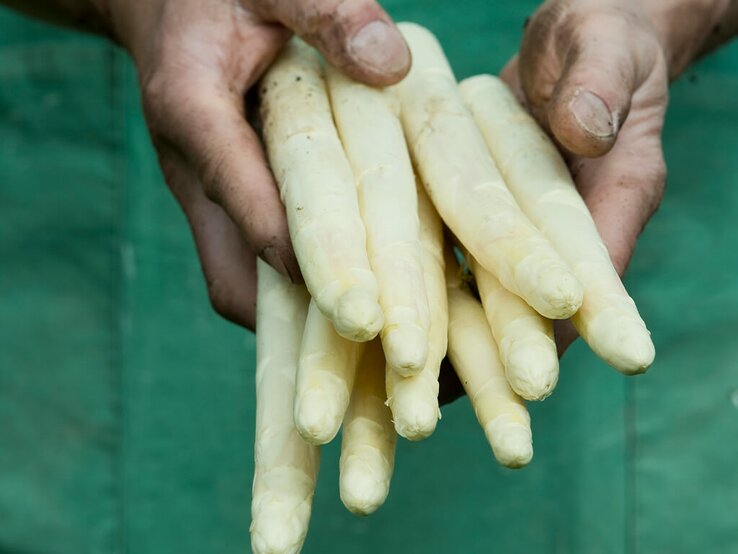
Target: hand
<point>196,59</point>
<point>594,73</point>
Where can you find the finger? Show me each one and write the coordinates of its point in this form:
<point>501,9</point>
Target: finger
<point>604,57</point>
<point>229,265</point>
<point>357,36</point>
<point>198,112</point>
<point>510,75</point>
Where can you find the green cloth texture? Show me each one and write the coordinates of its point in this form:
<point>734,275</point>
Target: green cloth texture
<point>127,406</point>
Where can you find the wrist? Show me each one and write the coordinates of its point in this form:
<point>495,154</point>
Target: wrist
<point>687,29</point>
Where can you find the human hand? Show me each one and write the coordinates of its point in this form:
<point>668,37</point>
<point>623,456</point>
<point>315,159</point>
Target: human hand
<point>595,75</point>
<point>196,60</point>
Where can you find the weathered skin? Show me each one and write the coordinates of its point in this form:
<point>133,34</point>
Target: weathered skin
<point>540,181</point>
<point>594,73</point>
<point>196,59</point>
<point>190,53</point>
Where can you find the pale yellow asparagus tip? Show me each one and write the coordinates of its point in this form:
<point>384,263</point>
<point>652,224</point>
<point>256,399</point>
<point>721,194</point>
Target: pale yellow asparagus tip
<point>279,527</point>
<point>406,349</point>
<point>640,351</point>
<point>552,290</point>
<point>414,405</point>
<point>511,441</point>
<point>358,315</point>
<point>505,421</point>
<point>363,490</point>
<point>318,416</point>
<point>562,291</point>
<point>532,367</point>
<point>325,378</point>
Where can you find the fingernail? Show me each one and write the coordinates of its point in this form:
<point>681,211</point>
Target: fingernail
<point>287,267</point>
<point>379,46</point>
<point>271,256</point>
<point>593,115</point>
<point>293,270</point>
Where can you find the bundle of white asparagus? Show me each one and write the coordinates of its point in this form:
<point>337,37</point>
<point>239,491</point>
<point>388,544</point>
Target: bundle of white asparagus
<point>369,177</point>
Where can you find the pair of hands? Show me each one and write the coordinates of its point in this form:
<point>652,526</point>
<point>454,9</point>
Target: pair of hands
<point>593,72</point>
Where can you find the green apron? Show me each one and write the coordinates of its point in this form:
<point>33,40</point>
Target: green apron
<point>126,405</point>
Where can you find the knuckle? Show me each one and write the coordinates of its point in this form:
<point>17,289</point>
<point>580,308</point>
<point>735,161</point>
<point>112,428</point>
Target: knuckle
<point>214,175</point>
<point>165,95</point>
<point>539,63</point>
<point>156,92</point>
<point>543,25</point>
<point>657,186</point>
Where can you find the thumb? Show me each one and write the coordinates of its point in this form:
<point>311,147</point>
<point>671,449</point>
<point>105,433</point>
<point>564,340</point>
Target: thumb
<point>604,58</point>
<point>591,100</point>
<point>357,36</point>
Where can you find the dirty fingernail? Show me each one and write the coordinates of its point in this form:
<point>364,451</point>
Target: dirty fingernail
<point>593,115</point>
<point>380,47</point>
<point>293,269</point>
<point>271,256</point>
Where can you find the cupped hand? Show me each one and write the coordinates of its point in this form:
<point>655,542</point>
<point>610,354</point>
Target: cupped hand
<point>196,60</point>
<point>594,74</point>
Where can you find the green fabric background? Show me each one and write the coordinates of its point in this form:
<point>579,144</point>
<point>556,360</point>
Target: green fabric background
<point>126,406</point>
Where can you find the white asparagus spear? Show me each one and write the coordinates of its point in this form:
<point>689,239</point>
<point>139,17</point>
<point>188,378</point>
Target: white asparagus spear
<point>285,466</point>
<point>325,378</point>
<point>414,400</point>
<point>473,353</point>
<point>468,190</point>
<point>368,439</point>
<point>319,192</point>
<point>524,337</point>
<point>368,123</point>
<point>541,183</point>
